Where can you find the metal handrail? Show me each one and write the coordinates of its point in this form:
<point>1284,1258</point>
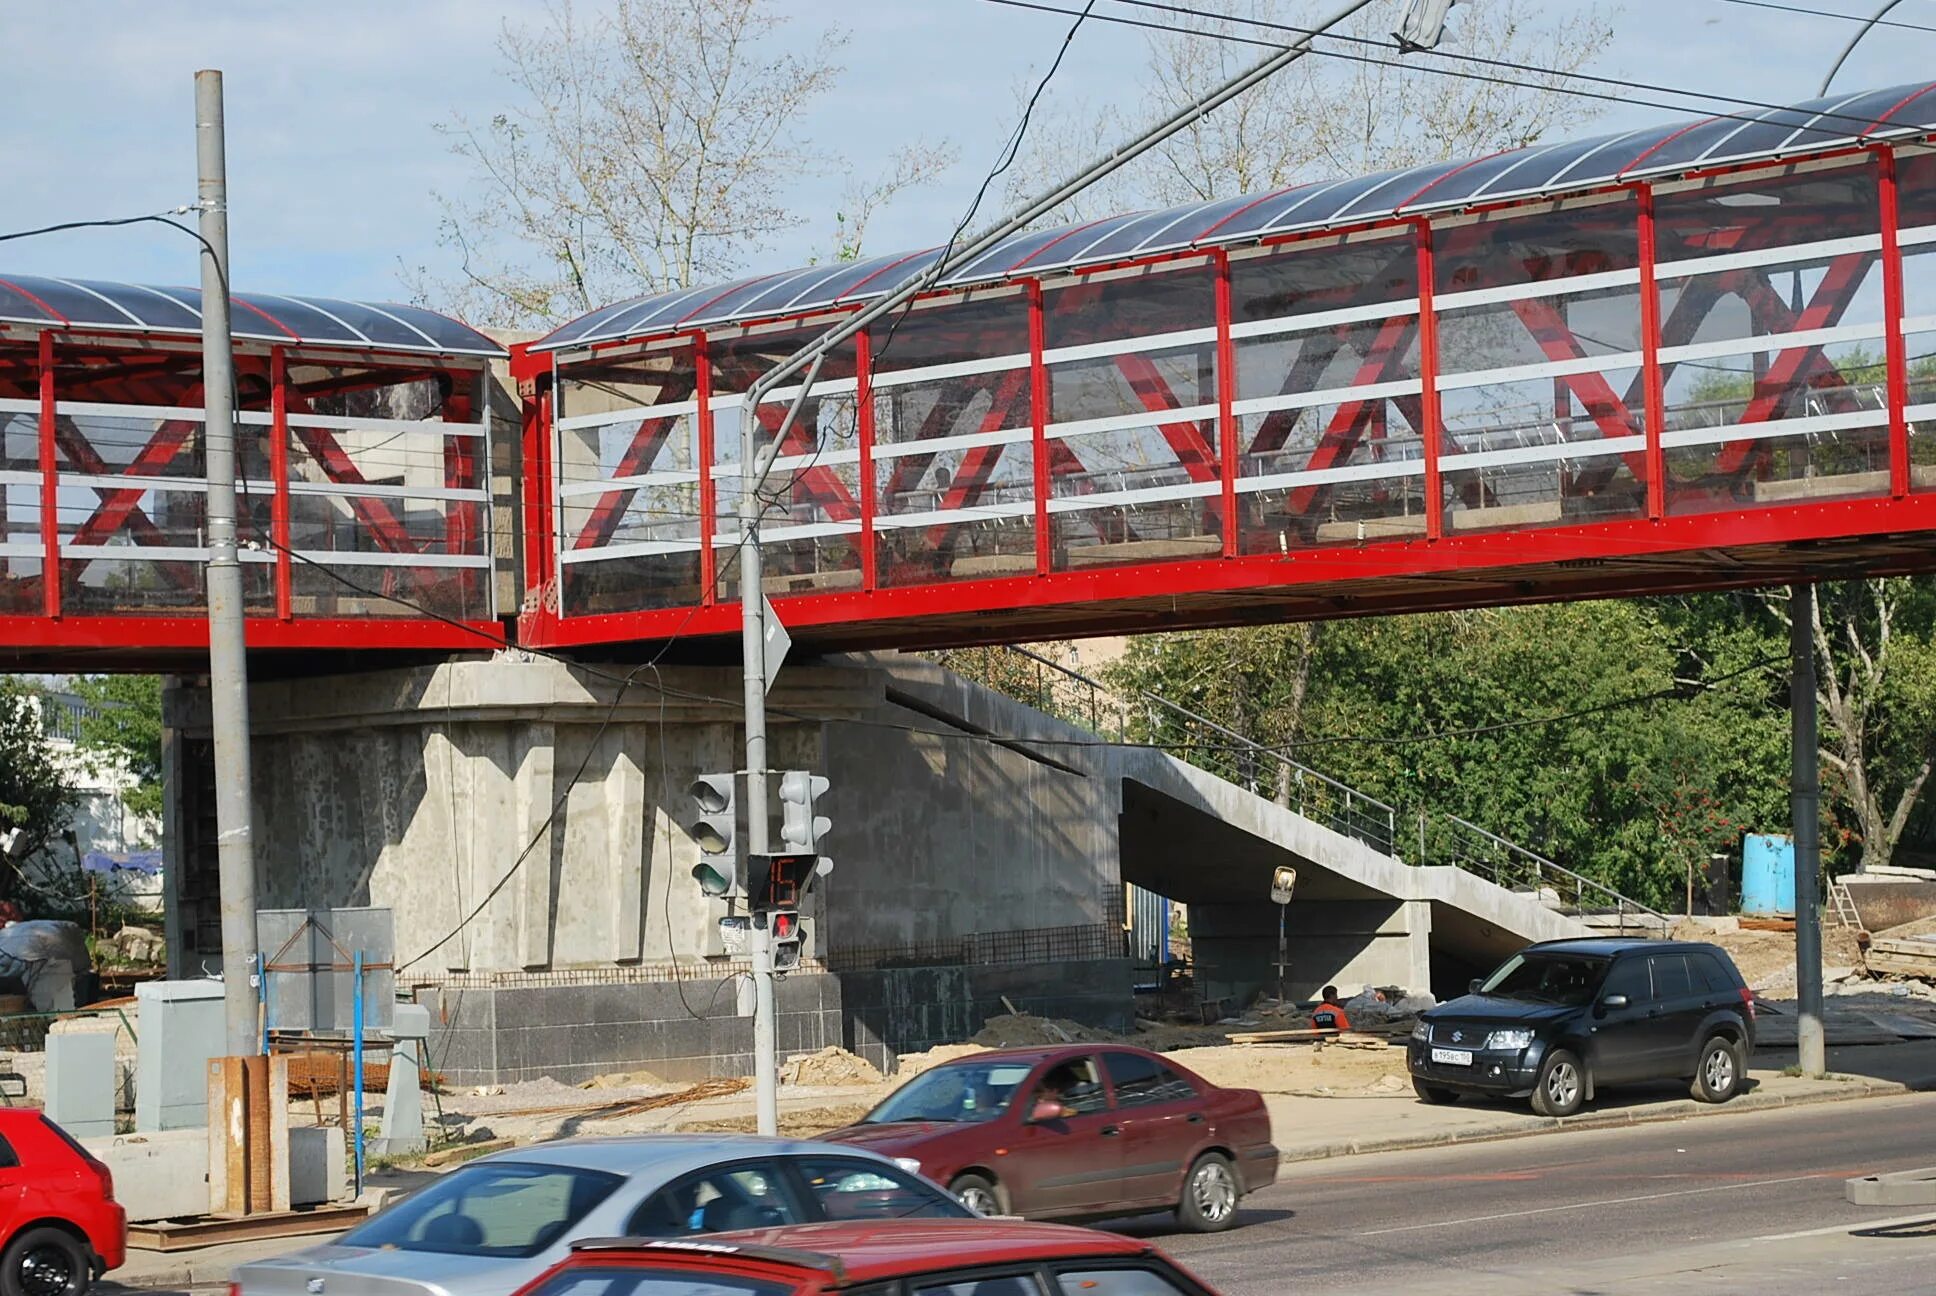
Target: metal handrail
<point>1362,816</point>
<point>1370,820</point>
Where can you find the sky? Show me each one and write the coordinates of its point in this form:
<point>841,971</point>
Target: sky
<point>334,157</point>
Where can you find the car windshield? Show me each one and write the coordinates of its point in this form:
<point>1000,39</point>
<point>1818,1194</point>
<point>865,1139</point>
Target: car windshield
<point>1546,978</point>
<point>508,1209</point>
<point>962,1091</point>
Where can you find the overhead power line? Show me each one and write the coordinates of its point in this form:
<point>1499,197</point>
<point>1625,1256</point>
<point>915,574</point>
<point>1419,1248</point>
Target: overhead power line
<point>1622,83</point>
<point>1406,66</point>
<point>1830,13</point>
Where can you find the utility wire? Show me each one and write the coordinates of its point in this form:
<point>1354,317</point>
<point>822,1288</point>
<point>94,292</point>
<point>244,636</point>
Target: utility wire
<point>1233,38</point>
<point>1830,13</point>
<point>155,218</point>
<point>1483,61</point>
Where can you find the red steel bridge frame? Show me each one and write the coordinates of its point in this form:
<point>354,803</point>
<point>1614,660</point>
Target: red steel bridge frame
<point>152,374</point>
<point>1662,550</point>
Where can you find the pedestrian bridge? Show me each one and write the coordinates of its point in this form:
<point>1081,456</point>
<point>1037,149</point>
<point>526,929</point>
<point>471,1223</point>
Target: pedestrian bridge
<point>1688,357</point>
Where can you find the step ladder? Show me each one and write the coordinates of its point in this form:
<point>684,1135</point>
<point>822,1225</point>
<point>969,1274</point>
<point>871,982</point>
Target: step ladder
<point>1841,905</point>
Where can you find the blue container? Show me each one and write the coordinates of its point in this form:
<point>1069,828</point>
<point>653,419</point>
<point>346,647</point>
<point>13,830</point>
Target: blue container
<point>1767,874</point>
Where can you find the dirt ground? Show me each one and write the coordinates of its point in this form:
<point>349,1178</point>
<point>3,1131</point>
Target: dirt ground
<point>1767,959</point>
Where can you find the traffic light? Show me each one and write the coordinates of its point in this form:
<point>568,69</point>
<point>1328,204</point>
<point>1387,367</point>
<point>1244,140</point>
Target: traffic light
<point>800,828</point>
<point>715,830</point>
<point>787,933</point>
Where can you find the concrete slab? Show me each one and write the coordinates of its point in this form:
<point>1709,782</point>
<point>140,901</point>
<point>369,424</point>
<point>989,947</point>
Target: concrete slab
<point>1904,1188</point>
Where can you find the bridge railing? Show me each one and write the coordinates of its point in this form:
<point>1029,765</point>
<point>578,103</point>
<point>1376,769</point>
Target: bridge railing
<point>1062,691</point>
<point>1448,839</point>
<point>1440,838</point>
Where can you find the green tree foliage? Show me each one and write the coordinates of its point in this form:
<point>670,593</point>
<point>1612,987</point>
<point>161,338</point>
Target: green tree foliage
<point>126,726</point>
<point>34,796</point>
<point>1626,740</point>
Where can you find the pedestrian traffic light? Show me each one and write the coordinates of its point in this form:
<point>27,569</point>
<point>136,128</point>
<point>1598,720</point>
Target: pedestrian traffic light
<point>787,932</point>
<point>715,831</point>
<point>800,828</point>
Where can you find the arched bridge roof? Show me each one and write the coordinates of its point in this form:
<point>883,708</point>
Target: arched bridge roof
<point>1541,170</point>
<point>45,302</point>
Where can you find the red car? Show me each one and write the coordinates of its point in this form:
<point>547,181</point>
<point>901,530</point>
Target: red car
<point>1077,1132</point>
<point>928,1257</point>
<point>60,1227</point>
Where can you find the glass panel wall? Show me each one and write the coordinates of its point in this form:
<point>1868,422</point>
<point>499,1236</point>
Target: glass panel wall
<point>1916,235</point>
<point>628,489</point>
<point>1772,338</point>
<point>1540,383</point>
<point>811,529</point>
<point>1327,396</point>
<point>953,453</point>
<point>1134,473</point>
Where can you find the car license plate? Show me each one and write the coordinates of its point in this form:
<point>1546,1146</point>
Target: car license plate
<point>1452,1057</point>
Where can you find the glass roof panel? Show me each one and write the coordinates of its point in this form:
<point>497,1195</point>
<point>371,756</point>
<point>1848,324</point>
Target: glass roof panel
<point>1113,240</point>
<point>1557,168</point>
<point>301,320</point>
<point>1401,189</point>
<point>17,304</point>
<point>76,302</point>
<point>267,316</point>
<point>157,309</point>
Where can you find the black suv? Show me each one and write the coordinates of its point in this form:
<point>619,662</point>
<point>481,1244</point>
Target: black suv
<point>1562,1018</point>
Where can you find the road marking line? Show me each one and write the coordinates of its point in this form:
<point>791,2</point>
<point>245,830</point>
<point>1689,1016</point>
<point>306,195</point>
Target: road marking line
<point>1589,1205</point>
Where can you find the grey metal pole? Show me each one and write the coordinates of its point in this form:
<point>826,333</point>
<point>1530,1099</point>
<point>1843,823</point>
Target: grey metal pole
<point>1804,797</point>
<point>752,603</point>
<point>228,684</point>
<point>756,461</point>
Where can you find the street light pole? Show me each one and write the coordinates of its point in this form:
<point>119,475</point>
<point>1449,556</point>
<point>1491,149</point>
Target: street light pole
<point>228,682</point>
<point>756,461</point>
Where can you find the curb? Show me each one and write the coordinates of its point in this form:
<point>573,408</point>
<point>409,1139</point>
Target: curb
<point>1845,1091</point>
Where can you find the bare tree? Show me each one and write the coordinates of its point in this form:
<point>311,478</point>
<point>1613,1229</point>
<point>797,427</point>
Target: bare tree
<point>1352,109</point>
<point>655,146</point>
<point>1876,685</point>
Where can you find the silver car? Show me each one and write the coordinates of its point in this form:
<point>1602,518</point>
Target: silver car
<point>491,1226</point>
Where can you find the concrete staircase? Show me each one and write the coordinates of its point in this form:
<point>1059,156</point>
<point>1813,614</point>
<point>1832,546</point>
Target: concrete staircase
<point>1435,840</point>
<point>1363,911</point>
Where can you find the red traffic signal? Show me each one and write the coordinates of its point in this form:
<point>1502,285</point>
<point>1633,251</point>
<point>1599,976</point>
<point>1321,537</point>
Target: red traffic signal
<point>786,925</point>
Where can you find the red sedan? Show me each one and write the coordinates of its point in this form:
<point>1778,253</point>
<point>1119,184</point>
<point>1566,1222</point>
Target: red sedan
<point>1077,1132</point>
<point>942,1257</point>
<point>60,1227</point>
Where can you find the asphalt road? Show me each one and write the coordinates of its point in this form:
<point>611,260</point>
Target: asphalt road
<point>1649,1208</point>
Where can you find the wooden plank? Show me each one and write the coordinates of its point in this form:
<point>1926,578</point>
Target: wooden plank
<point>279,1132</point>
<point>235,1127</point>
<point>467,1152</point>
<point>165,1236</point>
<point>1749,923</point>
<point>1282,1036</point>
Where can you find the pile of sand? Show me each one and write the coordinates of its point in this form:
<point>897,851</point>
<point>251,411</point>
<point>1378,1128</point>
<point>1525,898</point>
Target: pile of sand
<point>1300,1068</point>
<point>830,1066</point>
<point>913,1064</point>
<point>624,1080</point>
<point>811,1123</point>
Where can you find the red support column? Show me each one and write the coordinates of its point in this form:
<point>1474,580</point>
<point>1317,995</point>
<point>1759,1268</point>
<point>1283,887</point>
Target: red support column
<point>708,506</point>
<point>1895,345</point>
<point>1656,394</point>
<point>1226,396</point>
<point>1039,422</point>
<point>50,570</point>
<point>1428,377</point>
<point>535,471</point>
<point>279,476</point>
<point>864,431</point>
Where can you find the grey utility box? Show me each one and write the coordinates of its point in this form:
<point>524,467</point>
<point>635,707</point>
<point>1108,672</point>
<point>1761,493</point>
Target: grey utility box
<point>182,1027</point>
<point>80,1083</point>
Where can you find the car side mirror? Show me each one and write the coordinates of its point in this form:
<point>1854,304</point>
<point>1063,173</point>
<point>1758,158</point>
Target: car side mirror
<point>1615,1001</point>
<point>1048,1109</point>
<point>1473,988</point>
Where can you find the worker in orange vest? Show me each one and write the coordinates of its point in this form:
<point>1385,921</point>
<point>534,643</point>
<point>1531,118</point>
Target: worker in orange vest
<point>1327,1015</point>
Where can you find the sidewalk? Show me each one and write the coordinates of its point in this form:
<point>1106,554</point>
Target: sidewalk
<point>1308,1129</point>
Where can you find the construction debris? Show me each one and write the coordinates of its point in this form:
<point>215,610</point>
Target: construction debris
<point>830,1066</point>
<point>1016,1030</point>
